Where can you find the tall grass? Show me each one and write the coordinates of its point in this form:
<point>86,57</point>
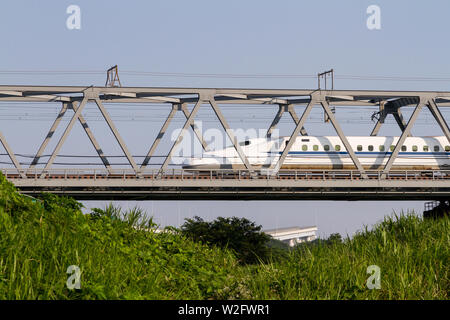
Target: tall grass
<point>118,260</point>
<point>120,257</point>
<point>412,254</point>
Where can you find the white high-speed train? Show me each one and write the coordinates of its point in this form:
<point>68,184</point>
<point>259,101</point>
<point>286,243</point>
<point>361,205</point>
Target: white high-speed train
<point>328,152</point>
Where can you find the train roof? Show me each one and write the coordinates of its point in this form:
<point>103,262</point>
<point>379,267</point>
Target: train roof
<point>365,137</point>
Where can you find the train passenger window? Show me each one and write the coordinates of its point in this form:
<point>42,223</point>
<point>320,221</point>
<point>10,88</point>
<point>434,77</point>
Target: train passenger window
<point>381,148</point>
<point>326,147</point>
<point>436,148</point>
<point>359,147</point>
<point>370,148</point>
<point>304,147</point>
<point>425,148</point>
<point>447,148</point>
<point>244,143</point>
<point>315,147</point>
<point>337,147</point>
<point>392,148</point>
<point>404,148</point>
<point>414,148</point>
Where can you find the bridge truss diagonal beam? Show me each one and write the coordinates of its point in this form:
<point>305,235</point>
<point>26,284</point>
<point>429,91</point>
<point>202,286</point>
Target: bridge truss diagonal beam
<point>398,116</point>
<point>432,106</point>
<point>380,120</point>
<point>294,117</point>
<point>11,155</point>
<point>293,137</point>
<point>70,105</point>
<point>231,135</point>
<point>188,122</point>
<point>116,135</point>
<point>162,131</point>
<point>393,107</point>
<point>49,135</point>
<point>91,137</point>
<point>64,136</point>
<point>223,122</point>
<point>282,108</point>
<point>195,128</point>
<point>158,138</point>
<point>275,121</point>
<point>403,137</point>
<point>343,138</point>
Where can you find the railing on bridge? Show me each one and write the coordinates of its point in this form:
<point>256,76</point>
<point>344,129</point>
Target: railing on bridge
<point>223,174</point>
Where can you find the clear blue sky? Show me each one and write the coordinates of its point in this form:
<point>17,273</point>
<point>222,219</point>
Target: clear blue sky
<point>240,37</point>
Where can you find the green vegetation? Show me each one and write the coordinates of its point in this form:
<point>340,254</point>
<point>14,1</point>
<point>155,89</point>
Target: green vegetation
<point>121,257</point>
<point>118,254</point>
<point>412,254</point>
<point>241,236</point>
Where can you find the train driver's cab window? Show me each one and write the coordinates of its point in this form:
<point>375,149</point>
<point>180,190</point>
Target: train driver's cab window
<point>436,148</point>
<point>392,148</point>
<point>315,147</point>
<point>426,149</point>
<point>337,147</point>
<point>359,147</point>
<point>304,147</point>
<point>381,148</point>
<point>404,148</point>
<point>326,147</point>
<point>414,148</point>
<point>447,148</point>
<point>244,143</point>
<point>370,148</point>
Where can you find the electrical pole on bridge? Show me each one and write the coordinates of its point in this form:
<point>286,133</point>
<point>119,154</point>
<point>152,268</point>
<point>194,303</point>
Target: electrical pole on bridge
<point>324,75</point>
<point>112,77</point>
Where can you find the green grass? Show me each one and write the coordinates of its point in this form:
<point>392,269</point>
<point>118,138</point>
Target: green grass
<point>412,255</point>
<point>120,259</point>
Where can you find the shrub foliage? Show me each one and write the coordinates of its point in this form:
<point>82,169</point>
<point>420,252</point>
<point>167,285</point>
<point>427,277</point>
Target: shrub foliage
<point>241,235</point>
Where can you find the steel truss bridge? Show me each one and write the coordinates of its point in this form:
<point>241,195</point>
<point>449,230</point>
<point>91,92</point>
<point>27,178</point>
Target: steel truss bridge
<point>141,182</point>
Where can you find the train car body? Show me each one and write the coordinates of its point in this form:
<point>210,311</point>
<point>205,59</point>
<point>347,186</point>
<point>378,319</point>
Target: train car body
<point>328,152</point>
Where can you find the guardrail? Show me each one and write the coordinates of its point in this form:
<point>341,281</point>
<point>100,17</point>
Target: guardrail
<point>222,174</point>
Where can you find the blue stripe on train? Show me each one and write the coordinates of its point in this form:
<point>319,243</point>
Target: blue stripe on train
<point>365,152</point>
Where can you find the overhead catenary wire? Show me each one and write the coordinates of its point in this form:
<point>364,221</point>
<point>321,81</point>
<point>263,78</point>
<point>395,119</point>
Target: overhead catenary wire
<point>227,75</point>
<point>125,113</point>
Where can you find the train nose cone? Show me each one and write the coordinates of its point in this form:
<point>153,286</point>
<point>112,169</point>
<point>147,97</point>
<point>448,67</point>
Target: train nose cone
<point>195,163</point>
<point>188,162</point>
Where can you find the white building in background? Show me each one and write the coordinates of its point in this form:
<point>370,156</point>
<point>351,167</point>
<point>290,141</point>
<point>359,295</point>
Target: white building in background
<point>293,235</point>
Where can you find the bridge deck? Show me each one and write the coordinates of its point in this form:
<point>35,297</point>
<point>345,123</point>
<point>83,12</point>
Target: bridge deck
<point>236,185</point>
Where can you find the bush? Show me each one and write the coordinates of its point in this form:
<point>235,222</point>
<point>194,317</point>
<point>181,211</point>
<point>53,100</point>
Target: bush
<point>241,235</point>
